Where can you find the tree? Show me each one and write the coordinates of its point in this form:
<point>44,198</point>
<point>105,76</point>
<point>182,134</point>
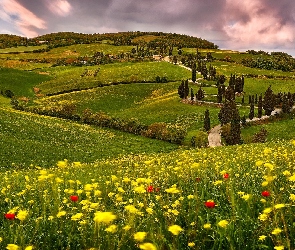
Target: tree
<point>251,113</point>
<point>194,72</point>
<point>186,89</point>
<point>235,128</point>
<point>200,94</point>
<point>192,95</point>
<point>259,114</point>
<point>207,120</point>
<point>269,101</point>
<point>226,112</point>
<point>229,93</point>
<point>181,90</point>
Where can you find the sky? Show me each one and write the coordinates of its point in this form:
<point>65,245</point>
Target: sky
<point>267,25</point>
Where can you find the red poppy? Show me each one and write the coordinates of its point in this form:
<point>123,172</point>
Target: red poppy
<point>10,216</point>
<point>150,189</point>
<point>74,198</point>
<point>265,193</point>
<point>226,175</point>
<point>210,204</point>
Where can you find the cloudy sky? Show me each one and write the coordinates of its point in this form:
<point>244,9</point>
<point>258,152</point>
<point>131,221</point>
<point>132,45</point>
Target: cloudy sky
<point>231,24</point>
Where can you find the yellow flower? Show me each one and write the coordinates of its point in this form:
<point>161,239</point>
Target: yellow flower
<point>217,183</point>
<point>268,165</point>
<point>292,197</point>
<point>172,190</point>
<point>140,189</point>
<point>29,248</point>
<point>104,217</point>
<point>147,246</point>
<point>61,213</point>
<point>246,197</point>
<point>131,209</point>
<point>139,236</point>
<point>267,210</point>
<point>279,247</point>
<point>77,216</point>
<point>190,196</point>
<point>293,142</point>
<point>1,239</point>
<point>12,247</point>
<point>278,206</point>
<point>292,178</point>
<point>111,229</point>
<point>175,229</point>
<point>276,231</point>
<point>264,184</point>
<point>223,223</point>
<point>262,237</point>
<point>191,244</point>
<point>207,226</point>
<point>62,164</point>
<point>259,163</point>
<point>149,210</point>
<point>126,228</point>
<point>22,215</point>
<point>263,217</point>
<point>286,173</point>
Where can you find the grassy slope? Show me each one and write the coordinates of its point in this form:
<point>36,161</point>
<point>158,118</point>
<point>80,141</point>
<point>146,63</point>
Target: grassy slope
<point>68,78</point>
<point>21,83</point>
<point>28,138</point>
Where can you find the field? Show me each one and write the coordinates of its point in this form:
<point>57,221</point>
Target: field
<point>69,180</point>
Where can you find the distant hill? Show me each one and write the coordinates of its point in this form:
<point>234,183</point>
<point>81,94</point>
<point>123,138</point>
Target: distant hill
<point>152,39</point>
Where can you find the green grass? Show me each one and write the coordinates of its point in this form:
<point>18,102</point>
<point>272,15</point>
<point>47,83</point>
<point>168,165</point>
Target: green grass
<point>282,129</point>
<point>21,49</point>
<point>20,82</point>
<point>32,139</point>
<point>68,78</point>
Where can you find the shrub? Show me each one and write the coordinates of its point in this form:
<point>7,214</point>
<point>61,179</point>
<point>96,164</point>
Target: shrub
<point>200,140</point>
<point>260,136</point>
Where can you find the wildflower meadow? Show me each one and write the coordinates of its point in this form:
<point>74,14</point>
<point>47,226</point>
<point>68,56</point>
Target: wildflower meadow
<point>239,197</point>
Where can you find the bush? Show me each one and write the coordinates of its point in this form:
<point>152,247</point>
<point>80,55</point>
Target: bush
<point>200,140</point>
<point>260,136</point>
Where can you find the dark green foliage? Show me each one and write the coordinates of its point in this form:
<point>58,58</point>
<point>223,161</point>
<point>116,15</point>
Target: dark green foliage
<point>181,90</point>
<point>194,72</point>
<point>200,140</point>
<point>207,125</point>
<point>287,104</point>
<point>235,128</point>
<point>244,121</point>
<point>220,93</point>
<point>200,94</point>
<point>269,101</point>
<point>229,93</point>
<point>220,80</point>
<point>186,89</point>
<point>260,136</point>
<point>259,114</point>
<point>8,93</point>
<point>192,95</point>
<point>226,113</point>
<point>251,113</point>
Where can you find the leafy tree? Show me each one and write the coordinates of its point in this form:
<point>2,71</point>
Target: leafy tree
<point>207,125</point>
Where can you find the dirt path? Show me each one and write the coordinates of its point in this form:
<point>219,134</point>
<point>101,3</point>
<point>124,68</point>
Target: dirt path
<point>214,137</point>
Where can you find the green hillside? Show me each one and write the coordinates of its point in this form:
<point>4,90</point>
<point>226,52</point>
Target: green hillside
<point>103,144</point>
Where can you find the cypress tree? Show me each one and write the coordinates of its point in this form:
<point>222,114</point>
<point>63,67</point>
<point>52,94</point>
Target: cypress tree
<point>186,89</point>
<point>181,90</point>
<point>200,94</point>
<point>226,112</point>
<point>194,72</point>
<point>192,94</point>
<point>207,120</point>
<point>269,101</point>
<point>220,93</point>
<point>251,113</point>
<point>259,115</point>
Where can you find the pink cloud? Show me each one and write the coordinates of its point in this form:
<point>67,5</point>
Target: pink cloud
<point>249,23</point>
<point>26,21</point>
<point>59,7</point>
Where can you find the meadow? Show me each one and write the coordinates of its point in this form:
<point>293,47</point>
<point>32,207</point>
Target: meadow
<point>238,197</point>
<point>73,186</point>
